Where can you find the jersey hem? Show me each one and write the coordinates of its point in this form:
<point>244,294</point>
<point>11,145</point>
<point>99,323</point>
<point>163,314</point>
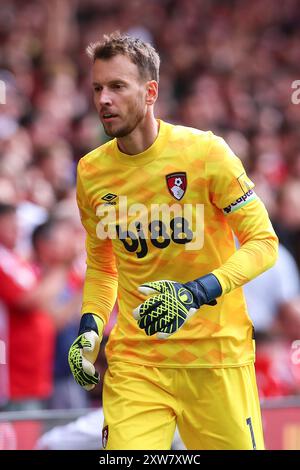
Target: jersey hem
<point>176,366</point>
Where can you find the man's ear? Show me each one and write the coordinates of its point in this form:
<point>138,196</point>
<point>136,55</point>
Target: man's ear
<point>151,92</point>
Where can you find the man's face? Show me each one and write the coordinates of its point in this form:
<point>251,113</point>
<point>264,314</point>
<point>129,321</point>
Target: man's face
<point>59,246</point>
<point>119,95</point>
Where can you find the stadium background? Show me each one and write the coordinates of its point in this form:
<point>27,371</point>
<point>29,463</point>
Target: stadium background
<point>227,66</point>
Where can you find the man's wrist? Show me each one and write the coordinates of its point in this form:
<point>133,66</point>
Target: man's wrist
<point>91,322</point>
<point>206,288</point>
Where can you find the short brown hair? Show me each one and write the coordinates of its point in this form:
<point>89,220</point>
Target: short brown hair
<point>140,53</point>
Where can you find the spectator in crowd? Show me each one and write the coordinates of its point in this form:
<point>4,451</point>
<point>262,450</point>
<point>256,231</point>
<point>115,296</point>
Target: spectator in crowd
<point>30,327</point>
<point>288,216</point>
<point>273,301</point>
<point>55,248</point>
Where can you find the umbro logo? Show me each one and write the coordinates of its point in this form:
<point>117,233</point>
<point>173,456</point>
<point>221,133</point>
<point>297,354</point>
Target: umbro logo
<point>109,199</point>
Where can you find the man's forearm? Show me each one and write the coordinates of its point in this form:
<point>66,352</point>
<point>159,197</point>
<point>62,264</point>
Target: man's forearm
<point>258,247</point>
<point>99,293</point>
<point>252,259</point>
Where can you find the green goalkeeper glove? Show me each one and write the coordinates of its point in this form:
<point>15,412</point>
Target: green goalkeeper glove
<point>84,351</point>
<point>174,303</point>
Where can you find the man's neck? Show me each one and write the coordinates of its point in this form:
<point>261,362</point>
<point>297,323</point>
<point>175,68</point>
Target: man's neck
<point>141,138</point>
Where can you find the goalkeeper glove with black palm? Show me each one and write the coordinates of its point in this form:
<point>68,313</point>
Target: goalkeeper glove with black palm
<point>84,351</point>
<point>174,303</point>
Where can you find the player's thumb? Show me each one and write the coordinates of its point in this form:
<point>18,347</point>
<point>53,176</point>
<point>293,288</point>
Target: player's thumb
<point>191,312</point>
<point>91,351</point>
<point>149,288</point>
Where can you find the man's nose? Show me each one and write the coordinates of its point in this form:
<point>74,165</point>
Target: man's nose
<point>105,98</point>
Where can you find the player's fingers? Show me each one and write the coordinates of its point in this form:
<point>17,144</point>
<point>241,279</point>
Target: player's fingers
<point>88,367</point>
<point>88,388</point>
<point>162,335</point>
<point>87,377</point>
<point>90,379</point>
<point>159,324</point>
<point>147,307</point>
<point>174,325</point>
<point>139,311</point>
<point>173,328</point>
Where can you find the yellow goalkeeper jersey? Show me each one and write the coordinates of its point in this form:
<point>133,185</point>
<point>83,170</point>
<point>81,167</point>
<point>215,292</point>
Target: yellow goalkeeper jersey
<point>171,212</point>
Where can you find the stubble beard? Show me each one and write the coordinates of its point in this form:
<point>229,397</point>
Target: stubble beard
<point>128,128</point>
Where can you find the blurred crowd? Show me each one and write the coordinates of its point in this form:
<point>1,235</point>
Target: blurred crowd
<point>227,66</point>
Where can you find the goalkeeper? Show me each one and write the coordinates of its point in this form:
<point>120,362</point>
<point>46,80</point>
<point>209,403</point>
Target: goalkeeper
<point>182,351</point>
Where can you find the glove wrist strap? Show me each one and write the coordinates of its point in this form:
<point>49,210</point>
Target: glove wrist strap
<point>90,321</point>
<point>208,285</point>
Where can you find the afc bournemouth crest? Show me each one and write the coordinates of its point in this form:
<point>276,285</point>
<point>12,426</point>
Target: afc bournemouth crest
<point>177,183</point>
<point>104,437</point>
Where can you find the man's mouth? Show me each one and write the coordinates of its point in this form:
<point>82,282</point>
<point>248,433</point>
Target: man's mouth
<point>106,117</point>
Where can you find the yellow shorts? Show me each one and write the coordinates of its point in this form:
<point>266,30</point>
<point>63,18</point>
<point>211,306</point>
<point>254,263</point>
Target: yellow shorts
<point>213,408</point>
